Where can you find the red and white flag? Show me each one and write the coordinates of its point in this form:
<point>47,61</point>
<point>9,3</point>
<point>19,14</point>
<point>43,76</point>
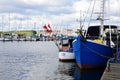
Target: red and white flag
<point>47,28</point>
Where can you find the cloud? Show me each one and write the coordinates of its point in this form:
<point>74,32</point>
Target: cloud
<point>39,11</point>
<point>33,7</point>
<point>55,12</point>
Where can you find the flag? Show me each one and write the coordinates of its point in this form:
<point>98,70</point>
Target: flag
<point>47,28</point>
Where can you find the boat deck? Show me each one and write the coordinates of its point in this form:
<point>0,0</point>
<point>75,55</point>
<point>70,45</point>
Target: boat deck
<point>113,73</point>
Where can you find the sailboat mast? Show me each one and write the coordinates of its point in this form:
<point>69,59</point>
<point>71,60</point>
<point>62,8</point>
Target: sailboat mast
<point>2,22</point>
<point>9,22</point>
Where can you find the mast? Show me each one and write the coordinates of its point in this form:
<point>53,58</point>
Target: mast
<point>35,26</point>
<point>102,19</point>
<point>80,21</point>
<point>102,22</point>
<point>9,22</point>
<point>2,22</point>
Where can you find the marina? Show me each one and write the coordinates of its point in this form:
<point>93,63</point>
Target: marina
<point>60,40</point>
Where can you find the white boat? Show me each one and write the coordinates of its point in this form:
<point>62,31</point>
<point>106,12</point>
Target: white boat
<point>66,56</point>
<point>66,51</point>
<point>1,39</point>
<point>7,37</point>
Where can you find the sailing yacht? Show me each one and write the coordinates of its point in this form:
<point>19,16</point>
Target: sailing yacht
<point>94,51</point>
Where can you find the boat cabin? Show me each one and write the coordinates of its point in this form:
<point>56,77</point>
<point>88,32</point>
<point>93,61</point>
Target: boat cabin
<point>67,43</point>
<point>93,33</point>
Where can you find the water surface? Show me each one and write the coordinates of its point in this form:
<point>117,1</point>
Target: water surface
<point>37,61</point>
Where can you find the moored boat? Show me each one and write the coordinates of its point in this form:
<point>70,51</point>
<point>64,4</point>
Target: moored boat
<point>95,49</point>
<point>66,56</point>
<point>66,50</point>
<point>90,54</point>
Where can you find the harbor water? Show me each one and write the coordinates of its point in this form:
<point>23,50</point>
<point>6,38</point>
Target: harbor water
<point>28,60</point>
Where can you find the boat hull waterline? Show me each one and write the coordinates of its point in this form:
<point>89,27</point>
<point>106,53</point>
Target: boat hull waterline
<point>89,54</point>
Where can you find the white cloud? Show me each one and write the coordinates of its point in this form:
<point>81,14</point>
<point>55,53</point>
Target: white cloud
<point>45,2</point>
<point>56,12</point>
<point>51,2</point>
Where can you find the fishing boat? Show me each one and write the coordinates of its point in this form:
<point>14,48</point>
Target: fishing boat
<point>66,50</point>
<point>92,50</point>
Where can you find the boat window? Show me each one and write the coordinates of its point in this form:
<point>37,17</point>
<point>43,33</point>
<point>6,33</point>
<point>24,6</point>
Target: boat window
<point>111,30</point>
<point>93,33</point>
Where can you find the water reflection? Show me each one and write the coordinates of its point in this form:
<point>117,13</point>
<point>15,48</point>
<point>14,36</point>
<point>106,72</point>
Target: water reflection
<point>66,70</point>
<point>70,71</point>
<point>92,74</point>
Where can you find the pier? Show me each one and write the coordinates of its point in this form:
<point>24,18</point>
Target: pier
<point>113,73</point>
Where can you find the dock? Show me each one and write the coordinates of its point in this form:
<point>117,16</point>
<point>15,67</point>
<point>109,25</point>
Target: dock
<point>113,73</point>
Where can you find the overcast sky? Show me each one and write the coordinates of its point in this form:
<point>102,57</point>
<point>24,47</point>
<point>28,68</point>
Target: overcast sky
<point>60,14</point>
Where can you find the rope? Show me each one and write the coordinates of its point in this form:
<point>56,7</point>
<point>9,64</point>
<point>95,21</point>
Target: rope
<point>96,52</point>
<point>87,13</point>
<point>92,12</point>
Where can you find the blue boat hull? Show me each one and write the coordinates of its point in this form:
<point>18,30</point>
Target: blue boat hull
<point>89,54</point>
